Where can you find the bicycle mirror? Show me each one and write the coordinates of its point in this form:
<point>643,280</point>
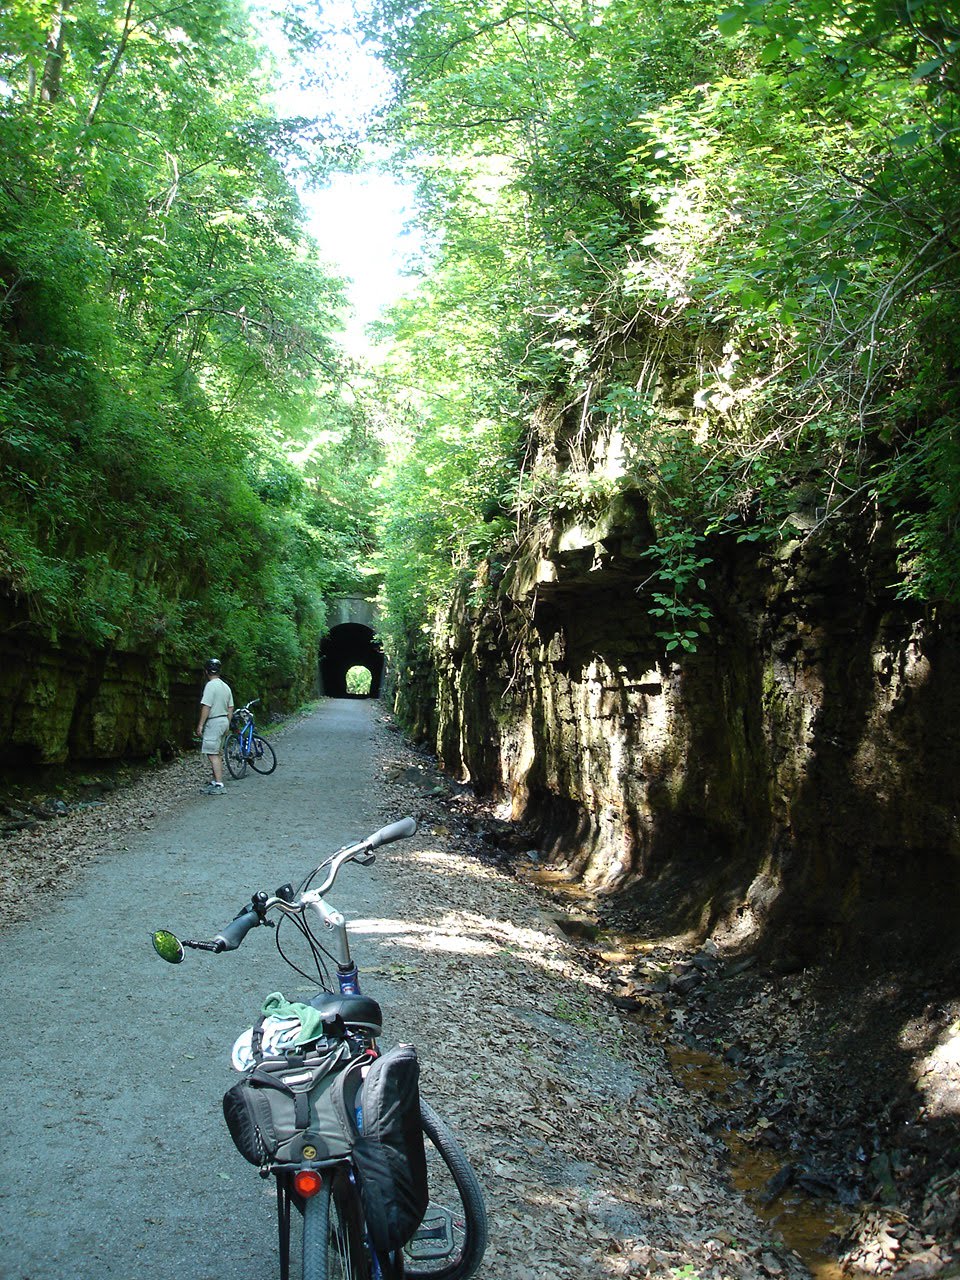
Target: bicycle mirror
<point>168,946</point>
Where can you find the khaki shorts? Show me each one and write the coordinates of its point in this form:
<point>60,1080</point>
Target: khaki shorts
<point>214,732</point>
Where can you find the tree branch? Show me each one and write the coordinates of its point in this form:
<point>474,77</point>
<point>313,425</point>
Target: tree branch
<point>485,28</point>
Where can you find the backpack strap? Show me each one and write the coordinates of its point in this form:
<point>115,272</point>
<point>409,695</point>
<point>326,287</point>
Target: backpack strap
<point>256,1039</point>
<point>261,1079</point>
<point>343,1095</point>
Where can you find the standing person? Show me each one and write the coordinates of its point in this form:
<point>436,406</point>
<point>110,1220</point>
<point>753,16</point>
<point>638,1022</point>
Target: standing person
<point>216,708</point>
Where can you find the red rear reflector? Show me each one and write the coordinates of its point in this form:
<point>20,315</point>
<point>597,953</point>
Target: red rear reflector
<point>307,1182</point>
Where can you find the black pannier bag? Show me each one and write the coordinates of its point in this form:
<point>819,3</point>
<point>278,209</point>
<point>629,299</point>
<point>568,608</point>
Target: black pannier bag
<point>282,1104</point>
<point>388,1154</point>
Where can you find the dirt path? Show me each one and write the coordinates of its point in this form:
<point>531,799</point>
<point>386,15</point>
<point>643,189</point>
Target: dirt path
<point>115,1161</point>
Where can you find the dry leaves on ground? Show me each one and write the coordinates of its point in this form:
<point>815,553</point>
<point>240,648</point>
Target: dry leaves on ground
<point>590,1153</point>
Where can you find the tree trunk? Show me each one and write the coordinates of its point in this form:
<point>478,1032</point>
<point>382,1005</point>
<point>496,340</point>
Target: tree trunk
<point>53,65</point>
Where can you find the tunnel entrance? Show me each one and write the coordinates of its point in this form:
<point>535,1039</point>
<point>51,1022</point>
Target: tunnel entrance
<point>348,646</point>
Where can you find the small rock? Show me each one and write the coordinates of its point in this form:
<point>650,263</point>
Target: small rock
<point>652,981</point>
<point>627,1004</point>
<point>818,1184</point>
<point>683,983</point>
<point>778,1183</point>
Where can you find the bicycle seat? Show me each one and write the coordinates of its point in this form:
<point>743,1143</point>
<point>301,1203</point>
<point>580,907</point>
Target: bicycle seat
<point>356,1011</point>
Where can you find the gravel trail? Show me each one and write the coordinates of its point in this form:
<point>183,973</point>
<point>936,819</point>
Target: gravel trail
<point>114,1160</point>
<point>113,1145</point>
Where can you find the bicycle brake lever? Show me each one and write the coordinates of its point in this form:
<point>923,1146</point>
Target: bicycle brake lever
<point>366,859</point>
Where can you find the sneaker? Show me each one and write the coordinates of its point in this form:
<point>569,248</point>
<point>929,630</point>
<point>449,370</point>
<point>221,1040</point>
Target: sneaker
<point>214,789</point>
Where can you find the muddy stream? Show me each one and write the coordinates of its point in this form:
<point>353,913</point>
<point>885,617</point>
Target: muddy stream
<point>811,1227</point>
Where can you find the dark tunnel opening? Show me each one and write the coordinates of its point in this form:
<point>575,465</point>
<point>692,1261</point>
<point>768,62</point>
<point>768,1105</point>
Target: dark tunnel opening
<point>349,645</point>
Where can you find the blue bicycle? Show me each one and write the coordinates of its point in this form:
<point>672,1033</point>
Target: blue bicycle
<point>244,746</point>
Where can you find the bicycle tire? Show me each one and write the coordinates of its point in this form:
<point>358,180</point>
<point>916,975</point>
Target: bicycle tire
<point>233,754</point>
<point>450,1178</point>
<point>263,758</point>
<point>333,1233</point>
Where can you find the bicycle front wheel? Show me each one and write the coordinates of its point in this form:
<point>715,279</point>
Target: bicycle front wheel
<point>451,1240</point>
<point>263,758</point>
<point>334,1246</point>
<point>233,754</point>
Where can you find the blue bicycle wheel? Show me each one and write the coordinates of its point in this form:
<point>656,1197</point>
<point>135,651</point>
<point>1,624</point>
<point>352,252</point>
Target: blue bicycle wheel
<point>233,754</point>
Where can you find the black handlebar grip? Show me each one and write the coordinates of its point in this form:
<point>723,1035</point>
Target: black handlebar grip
<point>233,934</point>
<point>395,831</point>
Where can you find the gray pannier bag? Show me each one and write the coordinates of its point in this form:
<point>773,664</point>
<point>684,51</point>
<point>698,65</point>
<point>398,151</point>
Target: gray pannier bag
<point>281,1105</point>
<point>284,1104</point>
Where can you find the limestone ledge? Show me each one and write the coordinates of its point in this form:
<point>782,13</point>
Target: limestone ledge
<point>812,739</point>
<point>76,704</point>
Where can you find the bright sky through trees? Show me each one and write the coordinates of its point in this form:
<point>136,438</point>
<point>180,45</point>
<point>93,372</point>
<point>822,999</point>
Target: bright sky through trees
<point>359,219</point>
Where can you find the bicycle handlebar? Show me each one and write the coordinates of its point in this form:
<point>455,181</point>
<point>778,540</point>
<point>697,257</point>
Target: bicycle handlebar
<point>231,935</point>
<point>251,915</point>
<point>395,831</point>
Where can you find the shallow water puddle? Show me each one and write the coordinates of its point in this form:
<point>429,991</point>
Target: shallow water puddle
<point>810,1228</point>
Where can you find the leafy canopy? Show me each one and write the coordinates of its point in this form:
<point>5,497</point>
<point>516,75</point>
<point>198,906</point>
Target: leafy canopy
<point>167,340</point>
<point>714,249</point>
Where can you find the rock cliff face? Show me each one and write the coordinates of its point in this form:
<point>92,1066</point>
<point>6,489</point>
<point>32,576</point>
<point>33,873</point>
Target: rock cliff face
<point>61,701</point>
<point>795,779</point>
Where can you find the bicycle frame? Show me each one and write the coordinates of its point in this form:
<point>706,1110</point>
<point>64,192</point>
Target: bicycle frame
<point>244,746</point>
<point>246,738</point>
<point>326,1192</point>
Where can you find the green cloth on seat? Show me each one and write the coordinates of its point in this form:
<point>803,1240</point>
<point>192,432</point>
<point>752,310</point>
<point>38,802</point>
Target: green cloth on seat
<point>276,1005</point>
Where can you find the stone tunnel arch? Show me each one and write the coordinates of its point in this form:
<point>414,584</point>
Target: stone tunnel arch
<point>351,642</point>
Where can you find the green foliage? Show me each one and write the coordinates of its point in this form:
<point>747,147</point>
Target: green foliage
<point>171,388</point>
<point>680,563</point>
<point>924,489</point>
<point>359,681</point>
<point>716,249</point>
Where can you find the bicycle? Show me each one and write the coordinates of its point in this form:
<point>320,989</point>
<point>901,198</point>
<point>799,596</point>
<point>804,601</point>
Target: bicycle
<point>337,1240</point>
<point>245,747</point>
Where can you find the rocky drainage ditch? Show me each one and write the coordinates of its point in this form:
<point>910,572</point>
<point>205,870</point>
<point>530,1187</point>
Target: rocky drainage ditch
<point>825,1181</point>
